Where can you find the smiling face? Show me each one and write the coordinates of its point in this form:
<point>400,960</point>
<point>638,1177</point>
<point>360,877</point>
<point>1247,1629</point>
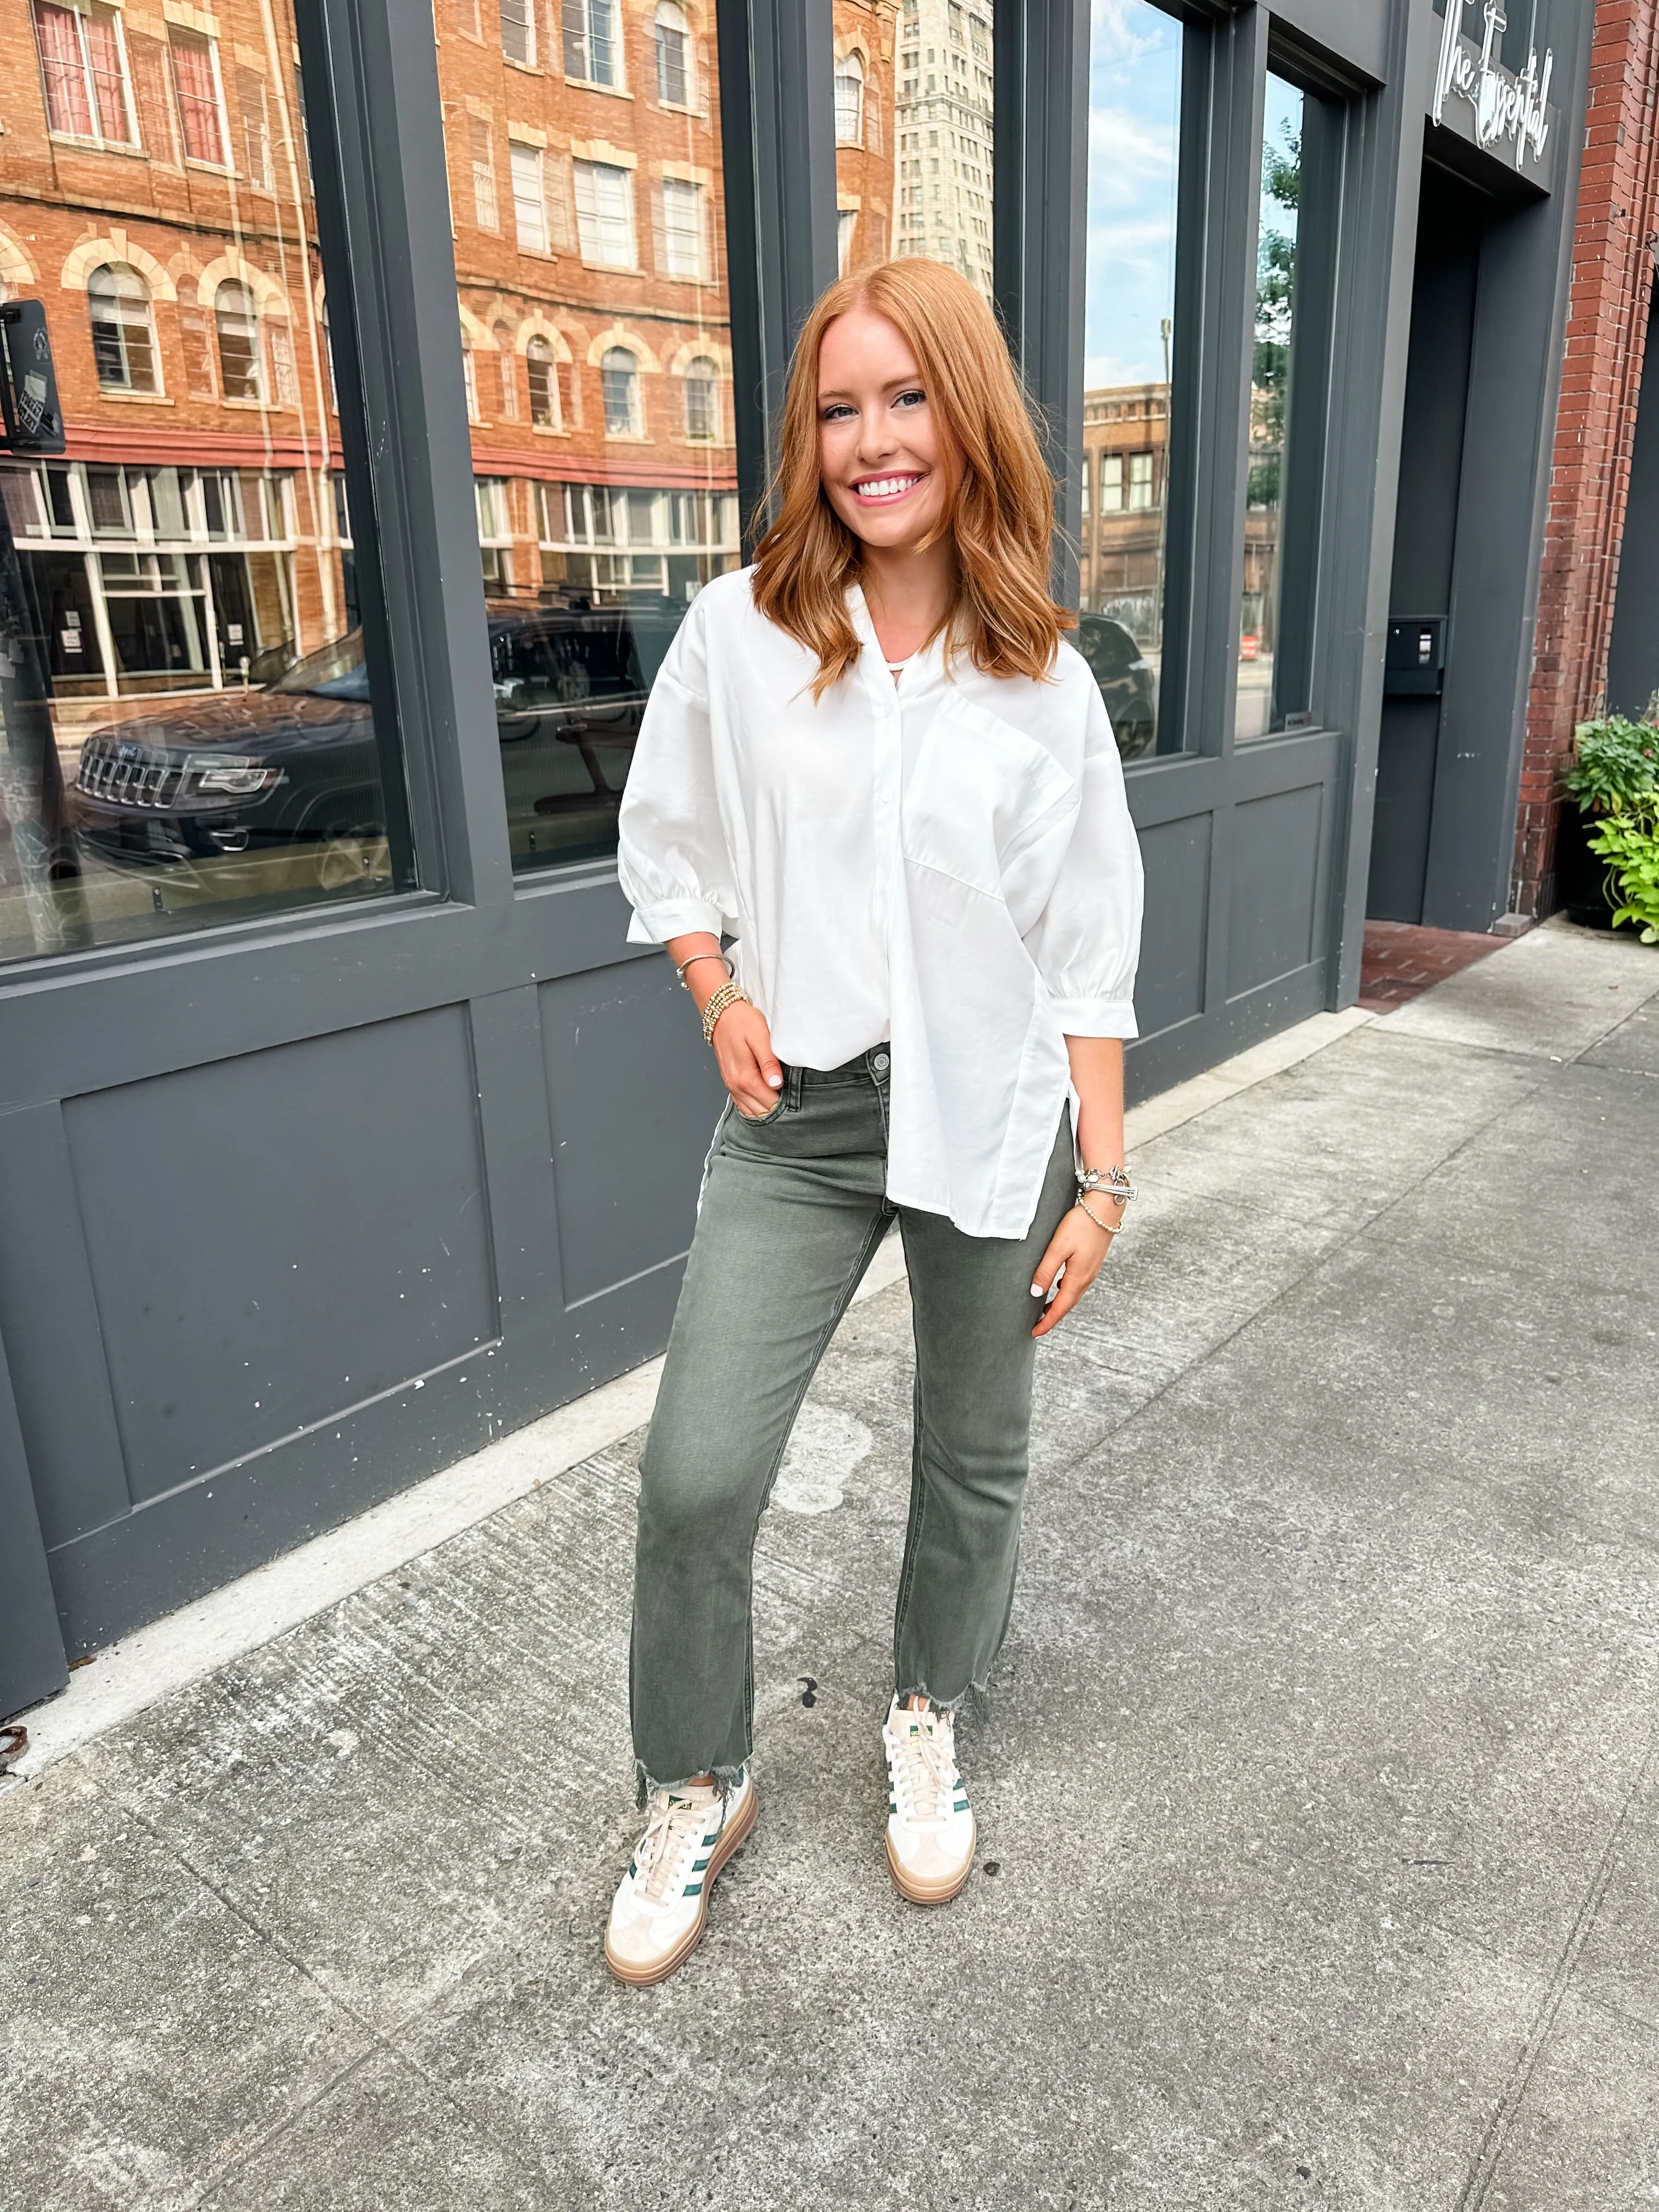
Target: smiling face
<point>878,439</point>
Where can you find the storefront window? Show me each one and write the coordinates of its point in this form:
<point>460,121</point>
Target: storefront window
<point>186,731</point>
<point>932,195</point>
<point>598,364</point>
<point>1134,161</point>
<point>1270,410</point>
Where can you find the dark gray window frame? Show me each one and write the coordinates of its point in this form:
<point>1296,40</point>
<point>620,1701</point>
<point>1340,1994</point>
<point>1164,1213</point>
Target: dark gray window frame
<point>1039,211</point>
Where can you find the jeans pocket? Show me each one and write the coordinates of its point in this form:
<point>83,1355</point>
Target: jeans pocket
<point>762,1120</point>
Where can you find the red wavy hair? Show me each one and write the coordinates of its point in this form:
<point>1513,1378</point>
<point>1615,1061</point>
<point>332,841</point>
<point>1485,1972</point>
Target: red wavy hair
<point>999,503</point>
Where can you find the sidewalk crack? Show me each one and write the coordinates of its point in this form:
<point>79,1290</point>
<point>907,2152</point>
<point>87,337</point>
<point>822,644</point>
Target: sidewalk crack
<point>1489,2155</point>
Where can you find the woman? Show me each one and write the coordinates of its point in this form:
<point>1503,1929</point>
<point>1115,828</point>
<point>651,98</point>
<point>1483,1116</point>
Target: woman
<point>871,761</point>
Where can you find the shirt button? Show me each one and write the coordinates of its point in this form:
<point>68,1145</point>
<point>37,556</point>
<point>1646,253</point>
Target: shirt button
<point>880,1063</point>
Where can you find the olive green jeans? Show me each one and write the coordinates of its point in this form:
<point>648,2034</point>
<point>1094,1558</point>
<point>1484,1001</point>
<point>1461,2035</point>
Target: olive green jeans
<point>793,1207</point>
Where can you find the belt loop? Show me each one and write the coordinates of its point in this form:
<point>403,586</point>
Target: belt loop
<point>791,1087</point>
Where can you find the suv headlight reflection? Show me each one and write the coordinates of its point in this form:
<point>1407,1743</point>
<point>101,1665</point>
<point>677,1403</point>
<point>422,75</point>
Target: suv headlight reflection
<point>225,772</point>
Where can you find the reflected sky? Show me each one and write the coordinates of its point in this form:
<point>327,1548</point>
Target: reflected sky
<point>1134,110</point>
<point>1281,134</point>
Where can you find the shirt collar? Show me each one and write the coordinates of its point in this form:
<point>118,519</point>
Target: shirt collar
<point>927,666</point>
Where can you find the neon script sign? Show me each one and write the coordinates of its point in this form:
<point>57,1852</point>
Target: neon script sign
<point>1504,107</point>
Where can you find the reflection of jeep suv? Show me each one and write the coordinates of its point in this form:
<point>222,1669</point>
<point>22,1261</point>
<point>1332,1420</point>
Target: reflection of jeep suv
<point>295,768</point>
<point>1125,676</point>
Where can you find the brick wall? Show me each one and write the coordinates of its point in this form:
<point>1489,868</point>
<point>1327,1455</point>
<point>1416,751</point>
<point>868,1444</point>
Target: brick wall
<point>1607,319</point>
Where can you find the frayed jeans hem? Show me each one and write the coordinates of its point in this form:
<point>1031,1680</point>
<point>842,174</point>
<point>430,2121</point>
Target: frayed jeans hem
<point>645,1785</point>
<point>975,1701</point>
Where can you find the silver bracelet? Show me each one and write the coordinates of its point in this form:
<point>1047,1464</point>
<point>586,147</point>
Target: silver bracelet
<point>1110,1182</point>
<point>691,960</point>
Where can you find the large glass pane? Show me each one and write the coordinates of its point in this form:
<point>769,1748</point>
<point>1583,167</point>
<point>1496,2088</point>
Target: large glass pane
<point>186,731</point>
<point>1134,160</point>
<point>1258,625</point>
<point>589,238</point>
<point>937,181</point>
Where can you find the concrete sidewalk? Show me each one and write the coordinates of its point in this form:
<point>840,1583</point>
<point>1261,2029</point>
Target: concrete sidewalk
<point>1319,1815</point>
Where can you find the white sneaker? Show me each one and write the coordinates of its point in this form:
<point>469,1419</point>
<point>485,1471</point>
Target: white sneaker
<point>661,1906</point>
<point>930,1828</point>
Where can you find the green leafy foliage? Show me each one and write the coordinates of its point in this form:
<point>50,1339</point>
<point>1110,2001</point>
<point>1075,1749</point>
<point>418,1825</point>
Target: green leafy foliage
<point>1615,764</point>
<point>1275,291</point>
<point>1627,839</point>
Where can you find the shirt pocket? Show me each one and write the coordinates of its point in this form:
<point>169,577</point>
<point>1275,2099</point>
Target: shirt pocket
<point>976,787</point>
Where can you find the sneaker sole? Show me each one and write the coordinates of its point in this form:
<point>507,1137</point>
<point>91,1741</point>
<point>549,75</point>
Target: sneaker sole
<point>732,1839</point>
<point>939,1891</point>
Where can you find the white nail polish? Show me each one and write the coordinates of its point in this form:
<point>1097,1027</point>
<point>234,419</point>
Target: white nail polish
<point>1037,1289</point>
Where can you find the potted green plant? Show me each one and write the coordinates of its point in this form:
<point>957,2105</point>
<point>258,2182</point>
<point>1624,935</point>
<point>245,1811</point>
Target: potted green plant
<point>1615,771</point>
<point>1627,841</point>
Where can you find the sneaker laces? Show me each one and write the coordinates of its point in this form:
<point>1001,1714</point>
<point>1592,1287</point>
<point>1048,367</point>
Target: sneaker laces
<point>675,1821</point>
<point>927,1748</point>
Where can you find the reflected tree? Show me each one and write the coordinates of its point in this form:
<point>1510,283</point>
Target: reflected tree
<point>1275,284</point>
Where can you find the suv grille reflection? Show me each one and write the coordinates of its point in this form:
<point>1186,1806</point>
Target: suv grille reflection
<point>128,774</point>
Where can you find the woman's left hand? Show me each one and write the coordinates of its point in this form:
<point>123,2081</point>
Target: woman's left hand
<point>1081,1248</point>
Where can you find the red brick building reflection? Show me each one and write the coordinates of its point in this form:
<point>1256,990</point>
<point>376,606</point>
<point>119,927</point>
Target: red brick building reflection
<point>155,194</point>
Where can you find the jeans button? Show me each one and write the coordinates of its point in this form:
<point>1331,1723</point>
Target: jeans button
<point>880,1063</point>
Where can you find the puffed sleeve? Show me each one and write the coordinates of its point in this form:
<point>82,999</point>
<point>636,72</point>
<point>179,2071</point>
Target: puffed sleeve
<point>671,854</point>
<point>1086,941</point>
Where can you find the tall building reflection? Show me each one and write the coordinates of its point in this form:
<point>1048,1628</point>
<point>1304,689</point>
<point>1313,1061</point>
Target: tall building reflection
<point>943,109</point>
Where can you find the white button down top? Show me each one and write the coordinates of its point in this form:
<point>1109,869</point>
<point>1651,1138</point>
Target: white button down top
<point>947,862</point>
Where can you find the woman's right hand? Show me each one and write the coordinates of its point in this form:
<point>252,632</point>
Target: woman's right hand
<point>742,1038</point>
<point>748,1067</point>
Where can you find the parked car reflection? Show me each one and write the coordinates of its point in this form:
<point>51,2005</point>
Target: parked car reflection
<point>283,784</point>
<point>1126,684</point>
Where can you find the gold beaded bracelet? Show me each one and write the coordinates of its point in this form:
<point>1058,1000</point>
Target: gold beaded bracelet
<point>727,995</point>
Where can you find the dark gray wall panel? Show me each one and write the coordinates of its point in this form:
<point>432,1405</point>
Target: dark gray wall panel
<point>1177,859</point>
<point>33,1662</point>
<point>630,1083</point>
<point>282,1235</point>
<point>188,1541</point>
<point>1407,745</point>
<point>1353,33</point>
<point>1275,870</point>
<point>1157,1062</point>
<point>49,1323</point>
<point>1514,380</point>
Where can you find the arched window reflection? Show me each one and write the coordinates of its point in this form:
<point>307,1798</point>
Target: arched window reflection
<point>703,418</point>
<point>849,101</point>
<point>544,385</point>
<point>619,374</point>
<point>676,83</point>
<point>237,324</point>
<point>123,334</point>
